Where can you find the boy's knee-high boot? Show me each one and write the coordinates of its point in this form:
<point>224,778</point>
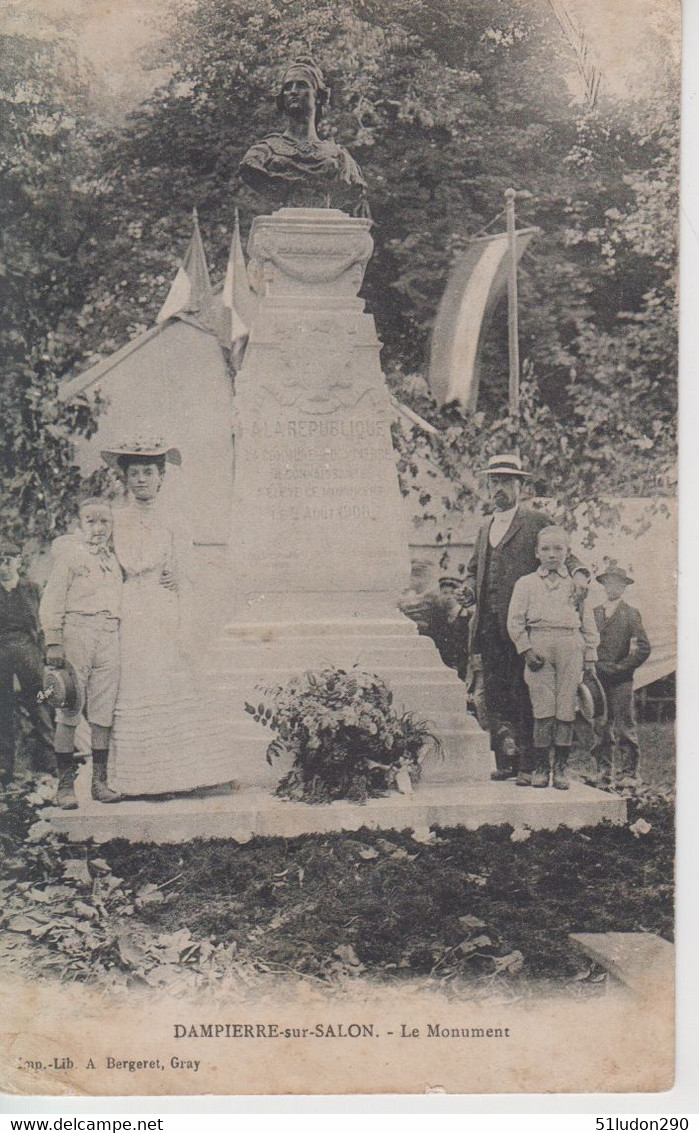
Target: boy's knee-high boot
<point>100,791</point>
<point>542,767</point>
<point>560,764</point>
<point>65,795</point>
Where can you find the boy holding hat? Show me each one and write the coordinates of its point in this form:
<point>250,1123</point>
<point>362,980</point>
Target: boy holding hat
<point>552,627</point>
<point>624,645</point>
<point>21,657</point>
<point>80,611</point>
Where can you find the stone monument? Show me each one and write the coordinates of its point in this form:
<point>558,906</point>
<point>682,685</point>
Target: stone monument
<point>319,540</point>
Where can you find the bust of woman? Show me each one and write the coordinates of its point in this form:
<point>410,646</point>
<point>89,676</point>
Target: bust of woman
<point>296,168</point>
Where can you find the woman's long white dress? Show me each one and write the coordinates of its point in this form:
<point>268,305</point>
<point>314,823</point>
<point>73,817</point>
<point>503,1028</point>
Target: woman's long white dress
<point>167,734</point>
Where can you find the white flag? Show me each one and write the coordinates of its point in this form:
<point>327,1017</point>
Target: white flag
<point>476,283</point>
<point>238,300</point>
<point>191,288</point>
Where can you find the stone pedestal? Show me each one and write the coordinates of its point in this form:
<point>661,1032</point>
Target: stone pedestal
<point>319,542</point>
<point>256,813</point>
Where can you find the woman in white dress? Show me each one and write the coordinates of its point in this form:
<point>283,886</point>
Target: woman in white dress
<point>167,734</point>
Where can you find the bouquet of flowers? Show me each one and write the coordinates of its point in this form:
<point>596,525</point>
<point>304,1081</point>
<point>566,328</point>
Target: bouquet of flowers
<point>345,737</point>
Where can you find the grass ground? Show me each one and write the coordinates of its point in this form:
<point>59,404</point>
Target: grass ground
<point>467,905</point>
<point>657,764</point>
<point>658,754</point>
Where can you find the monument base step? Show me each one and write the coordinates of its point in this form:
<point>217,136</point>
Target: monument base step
<point>466,755</point>
<point>251,656</point>
<point>240,815</point>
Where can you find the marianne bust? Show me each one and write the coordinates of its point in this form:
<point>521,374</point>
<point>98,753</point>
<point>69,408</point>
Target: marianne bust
<point>296,168</point>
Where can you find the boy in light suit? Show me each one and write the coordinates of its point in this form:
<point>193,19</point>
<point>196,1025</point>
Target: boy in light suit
<point>551,625</point>
<point>80,612</point>
<point>624,645</point>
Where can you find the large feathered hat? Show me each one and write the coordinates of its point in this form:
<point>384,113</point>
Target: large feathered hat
<point>147,447</point>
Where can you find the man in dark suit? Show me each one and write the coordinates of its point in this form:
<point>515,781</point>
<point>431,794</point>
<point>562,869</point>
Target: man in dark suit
<point>21,657</point>
<point>623,646</point>
<point>505,550</point>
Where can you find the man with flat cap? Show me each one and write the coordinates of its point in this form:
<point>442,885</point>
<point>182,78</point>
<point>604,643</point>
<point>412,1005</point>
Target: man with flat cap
<point>505,550</point>
<point>21,659</point>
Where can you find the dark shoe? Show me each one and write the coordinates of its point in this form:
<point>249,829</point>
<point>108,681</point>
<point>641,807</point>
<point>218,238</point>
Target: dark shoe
<point>560,778</point>
<point>542,770</point>
<point>101,792</point>
<point>524,779</point>
<point>505,751</point>
<point>65,795</point>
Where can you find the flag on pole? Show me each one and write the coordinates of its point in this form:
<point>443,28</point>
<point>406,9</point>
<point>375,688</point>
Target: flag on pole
<point>475,285</point>
<point>239,303</point>
<point>190,293</point>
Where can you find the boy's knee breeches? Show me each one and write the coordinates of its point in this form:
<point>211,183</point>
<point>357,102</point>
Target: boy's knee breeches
<point>91,646</point>
<point>554,687</point>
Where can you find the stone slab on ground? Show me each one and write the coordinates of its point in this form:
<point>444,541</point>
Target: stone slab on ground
<point>243,814</point>
<point>636,959</point>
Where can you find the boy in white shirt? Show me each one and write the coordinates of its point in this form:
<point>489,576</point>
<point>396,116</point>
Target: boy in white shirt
<point>79,612</point>
<point>555,630</point>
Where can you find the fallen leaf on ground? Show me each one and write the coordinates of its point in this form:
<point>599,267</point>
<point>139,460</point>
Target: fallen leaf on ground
<point>640,827</point>
<point>347,954</point>
<point>149,895</point>
<point>520,834</point>
<point>84,910</point>
<point>510,963</point>
<point>471,922</point>
<point>76,868</point>
<point>425,836</point>
<point>481,942</point>
<point>133,954</point>
<point>23,924</point>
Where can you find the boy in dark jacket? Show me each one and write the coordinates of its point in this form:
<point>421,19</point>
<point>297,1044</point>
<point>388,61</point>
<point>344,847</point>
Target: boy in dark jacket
<point>623,646</point>
<point>21,658</point>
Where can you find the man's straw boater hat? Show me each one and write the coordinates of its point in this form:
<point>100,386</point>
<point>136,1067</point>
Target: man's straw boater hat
<point>147,447</point>
<point>450,582</point>
<point>591,700</point>
<point>61,688</point>
<point>506,464</point>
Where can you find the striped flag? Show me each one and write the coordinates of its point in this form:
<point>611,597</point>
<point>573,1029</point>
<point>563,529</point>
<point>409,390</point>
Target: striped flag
<point>475,285</point>
<point>239,303</point>
<point>190,293</point>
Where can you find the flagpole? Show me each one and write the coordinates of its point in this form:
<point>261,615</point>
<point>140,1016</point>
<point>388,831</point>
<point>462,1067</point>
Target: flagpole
<point>512,327</point>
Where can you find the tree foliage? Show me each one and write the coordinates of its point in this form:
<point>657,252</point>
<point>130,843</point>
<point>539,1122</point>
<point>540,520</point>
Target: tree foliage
<point>46,209</point>
<point>445,103</point>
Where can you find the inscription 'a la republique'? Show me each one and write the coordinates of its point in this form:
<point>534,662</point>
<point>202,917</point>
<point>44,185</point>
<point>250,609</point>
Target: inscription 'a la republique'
<point>333,1031</point>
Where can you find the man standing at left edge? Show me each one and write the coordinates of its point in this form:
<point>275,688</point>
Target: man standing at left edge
<point>505,550</point>
<point>21,659</point>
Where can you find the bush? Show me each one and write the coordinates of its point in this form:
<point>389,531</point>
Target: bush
<point>345,737</point>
